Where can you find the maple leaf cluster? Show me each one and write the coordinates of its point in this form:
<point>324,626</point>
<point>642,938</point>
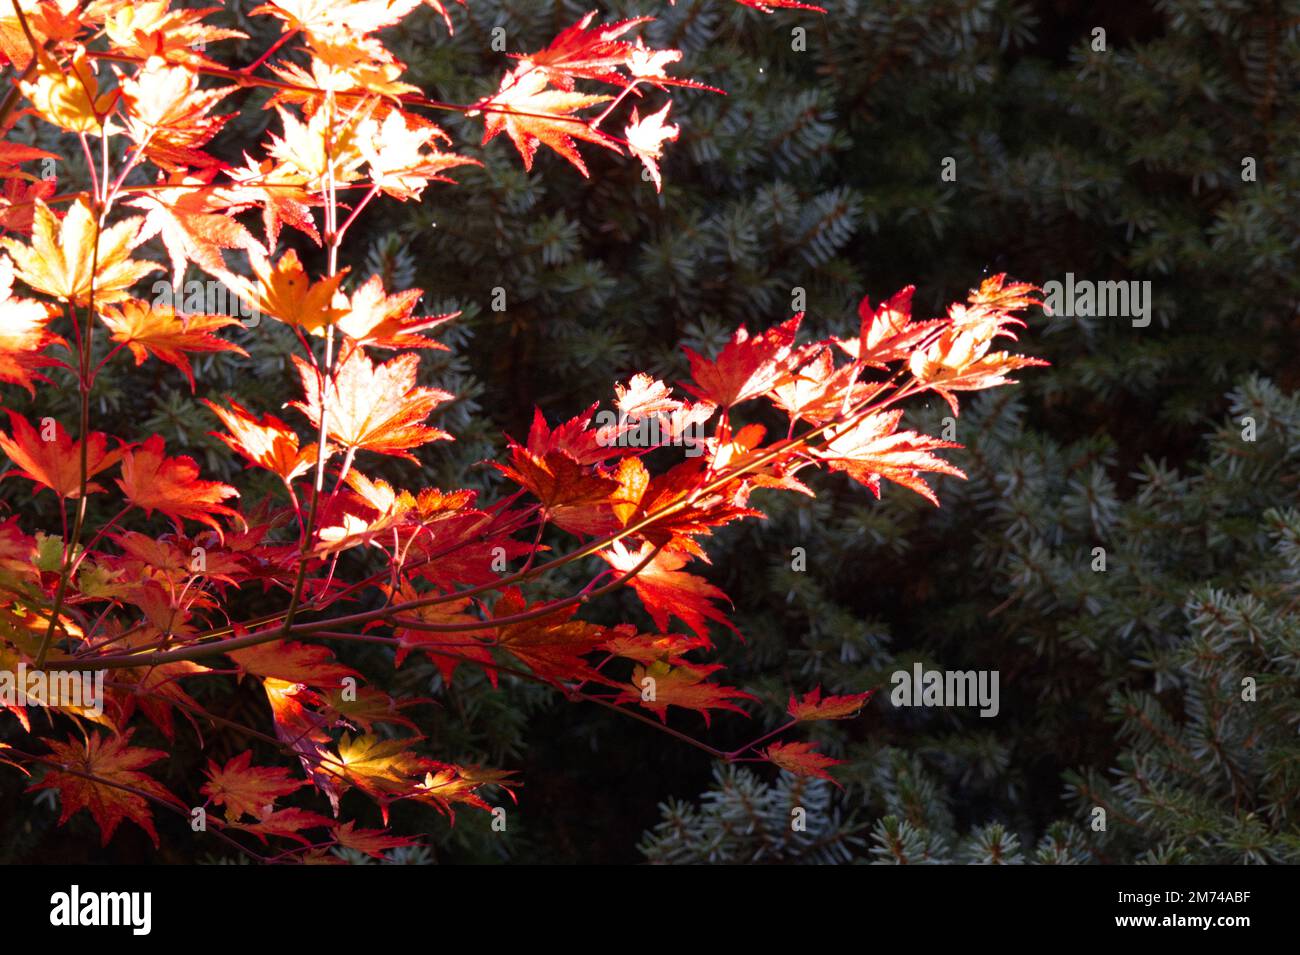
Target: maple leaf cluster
<point>447,576</point>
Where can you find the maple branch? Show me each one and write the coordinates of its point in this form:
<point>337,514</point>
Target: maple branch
<point>575,694</point>
<point>143,794</point>
<point>202,650</point>
<point>318,604</point>
<point>495,623</point>
<point>283,39</point>
<point>324,382</point>
<point>198,651</point>
<point>83,385</point>
<point>734,755</point>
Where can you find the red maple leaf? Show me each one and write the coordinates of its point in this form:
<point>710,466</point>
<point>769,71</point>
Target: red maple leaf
<point>151,481</point>
<point>747,366</point>
<point>802,760</point>
<point>553,645</point>
<point>102,775</point>
<point>56,464</point>
<point>667,591</point>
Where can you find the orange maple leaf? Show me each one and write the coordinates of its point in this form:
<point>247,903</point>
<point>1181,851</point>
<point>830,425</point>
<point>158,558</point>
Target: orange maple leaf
<point>802,760</point>
<point>589,52</point>
<point>159,331</point>
<point>747,366</point>
<point>307,663</point>
<point>574,497</point>
<point>266,442</point>
<point>285,292</point>
<point>659,685</point>
<point>385,321</point>
<point>814,707</point>
<point>625,642</point>
<point>446,649</point>
<point>373,407</point>
<point>871,449</point>
<point>396,161</point>
<point>552,646</point>
<point>373,842</point>
<point>531,114</point>
<point>56,463</point>
<point>151,481</point>
<point>646,137</point>
<point>167,114</point>
<point>286,823</point>
<point>448,784</point>
<point>195,222</point>
<point>247,790</point>
<point>23,334</point>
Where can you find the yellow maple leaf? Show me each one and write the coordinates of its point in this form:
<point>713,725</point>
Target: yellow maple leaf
<point>61,260</point>
<point>285,292</point>
<point>69,100</point>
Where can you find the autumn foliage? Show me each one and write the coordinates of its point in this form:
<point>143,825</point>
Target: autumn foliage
<point>343,555</point>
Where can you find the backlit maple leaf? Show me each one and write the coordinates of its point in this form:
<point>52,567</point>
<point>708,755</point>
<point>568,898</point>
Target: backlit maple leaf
<point>396,159</point>
<point>56,463</point>
<point>247,790</point>
<point>553,646</point>
<point>448,784</point>
<point>265,442</point>
<point>747,366</point>
<point>281,192</point>
<point>168,114</point>
<point>887,332</point>
<point>575,497</point>
<point>446,649</point>
<point>307,663</point>
<point>327,146</point>
<point>152,481</point>
<point>802,760</point>
<point>111,759</point>
<point>384,769</point>
<point>531,114</point>
<point>372,842</point>
<point>625,642</point>
<point>156,28</point>
<point>69,99</point>
<point>666,590</point>
<point>385,321</point>
<point>304,730</point>
<point>373,407</point>
<point>195,222</point>
<point>23,333</point>
<point>285,292</point>
<point>18,202</point>
<point>361,707</point>
<point>871,449</point>
<point>59,260</point>
<point>659,685</point>
<point>646,137</point>
<point>158,331</point>
<point>584,51</point>
<point>816,392</point>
